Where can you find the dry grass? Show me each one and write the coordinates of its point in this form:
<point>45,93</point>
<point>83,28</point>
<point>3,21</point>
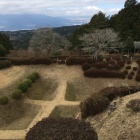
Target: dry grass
<point>43,89</point>
<point>115,126</point>
<point>65,111</point>
<point>17,115</point>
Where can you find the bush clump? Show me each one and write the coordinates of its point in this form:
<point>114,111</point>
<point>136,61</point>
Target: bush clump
<point>23,87</point>
<point>61,129</point>
<point>36,74</point>
<point>103,73</point>
<point>86,66</point>
<point>121,63</point>
<point>101,65</point>
<point>131,73</point>
<point>112,62</point>
<point>20,61</point>
<point>32,77</point>
<point>41,60</point>
<point>125,72</point>
<point>17,94</point>
<point>113,92</point>
<point>93,105</point>
<point>135,68</point>
<point>137,78</point>
<point>28,82</point>
<point>130,76</point>
<point>4,100</point>
<point>128,61</point>
<point>128,67</point>
<point>5,63</point>
<point>134,105</point>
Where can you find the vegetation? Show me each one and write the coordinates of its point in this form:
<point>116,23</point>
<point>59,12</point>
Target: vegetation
<point>134,105</point>
<point>5,64</point>
<point>28,82</point>
<point>32,77</point>
<point>17,94</point>
<point>48,41</point>
<point>93,105</point>
<point>61,129</point>
<point>100,40</point>
<point>23,87</point>
<point>4,100</point>
<point>5,42</point>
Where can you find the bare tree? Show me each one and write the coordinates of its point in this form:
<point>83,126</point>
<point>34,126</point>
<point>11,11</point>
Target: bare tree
<point>100,40</point>
<point>45,40</point>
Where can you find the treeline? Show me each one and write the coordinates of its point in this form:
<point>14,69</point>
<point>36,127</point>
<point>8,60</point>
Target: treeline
<point>126,23</point>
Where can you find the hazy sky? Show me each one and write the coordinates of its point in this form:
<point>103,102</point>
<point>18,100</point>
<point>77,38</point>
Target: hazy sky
<point>61,7</point>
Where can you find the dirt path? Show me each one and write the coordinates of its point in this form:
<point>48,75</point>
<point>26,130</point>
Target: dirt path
<point>47,106</point>
<point>61,73</point>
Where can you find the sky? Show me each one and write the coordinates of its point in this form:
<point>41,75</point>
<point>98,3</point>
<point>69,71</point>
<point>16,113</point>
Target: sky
<point>61,8</point>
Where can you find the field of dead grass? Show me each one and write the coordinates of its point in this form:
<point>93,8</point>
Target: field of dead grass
<point>79,88</point>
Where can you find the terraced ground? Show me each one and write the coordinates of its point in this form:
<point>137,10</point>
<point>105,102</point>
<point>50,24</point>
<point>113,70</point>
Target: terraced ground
<point>65,86</point>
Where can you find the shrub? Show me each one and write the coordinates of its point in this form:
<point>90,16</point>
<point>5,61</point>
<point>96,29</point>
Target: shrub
<point>131,73</point>
<point>112,61</point>
<point>128,61</point>
<point>113,67</point>
<point>42,60</point>
<point>75,61</point>
<point>125,72</point>
<point>20,61</point>
<point>23,86</point>
<point>103,73</point>
<point>28,82</point>
<point>93,105</point>
<point>32,77</point>
<point>128,67</point>
<point>134,105</point>
<point>5,63</point>
<point>137,78</point>
<point>4,100</point>
<point>86,66</point>
<point>17,94</point>
<point>130,76</point>
<point>61,129</point>
<point>36,74</point>
<point>113,92</point>
<point>101,65</point>
<point>135,68</point>
<point>121,63</point>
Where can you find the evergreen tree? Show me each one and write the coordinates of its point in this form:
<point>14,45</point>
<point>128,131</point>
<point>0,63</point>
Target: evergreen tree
<point>126,22</point>
<point>2,51</point>
<point>5,42</point>
<point>129,44</point>
<point>130,3</point>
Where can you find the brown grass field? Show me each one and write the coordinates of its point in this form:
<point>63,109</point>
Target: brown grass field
<point>57,94</point>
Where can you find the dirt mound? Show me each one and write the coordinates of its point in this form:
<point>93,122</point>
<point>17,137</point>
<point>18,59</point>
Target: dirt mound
<point>121,124</point>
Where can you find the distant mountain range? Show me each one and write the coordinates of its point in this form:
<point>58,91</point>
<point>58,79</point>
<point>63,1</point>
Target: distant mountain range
<point>35,21</point>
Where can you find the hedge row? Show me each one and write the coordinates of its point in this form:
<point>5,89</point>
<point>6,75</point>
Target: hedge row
<point>29,61</point>
<point>21,88</point>
<point>113,92</point>
<point>5,63</point>
<point>80,60</point>
<point>93,105</point>
<point>100,101</point>
<point>103,73</point>
<point>61,129</point>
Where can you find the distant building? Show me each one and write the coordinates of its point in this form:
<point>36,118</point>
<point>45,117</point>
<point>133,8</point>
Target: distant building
<point>137,46</point>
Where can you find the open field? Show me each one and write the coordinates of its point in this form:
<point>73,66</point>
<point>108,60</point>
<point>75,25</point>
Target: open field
<point>56,94</point>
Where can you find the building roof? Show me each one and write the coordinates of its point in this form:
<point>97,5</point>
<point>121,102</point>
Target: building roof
<point>137,44</point>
